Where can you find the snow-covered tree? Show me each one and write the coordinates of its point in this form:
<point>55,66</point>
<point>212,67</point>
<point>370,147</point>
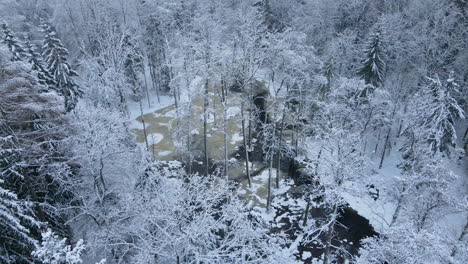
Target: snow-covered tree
<point>34,119</point>
<point>403,244</point>
<point>54,250</point>
<point>55,55</point>
<point>12,43</point>
<point>439,111</point>
<point>339,171</point>
<point>16,216</point>
<point>33,56</point>
<point>373,65</point>
<point>196,219</point>
<point>133,65</point>
<point>109,161</point>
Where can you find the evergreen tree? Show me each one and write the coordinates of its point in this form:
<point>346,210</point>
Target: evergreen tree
<point>329,74</point>
<point>374,65</point>
<point>440,111</point>
<point>12,43</point>
<point>269,18</point>
<point>55,55</point>
<point>133,64</point>
<point>31,128</point>
<point>35,59</point>
<point>16,218</point>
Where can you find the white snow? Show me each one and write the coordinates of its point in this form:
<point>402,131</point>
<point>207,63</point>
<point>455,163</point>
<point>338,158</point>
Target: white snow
<point>164,153</point>
<point>235,138</point>
<point>233,111</point>
<point>134,107</point>
<point>155,138</point>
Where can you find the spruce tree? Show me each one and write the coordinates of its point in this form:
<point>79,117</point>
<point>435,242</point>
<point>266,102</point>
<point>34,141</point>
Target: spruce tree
<point>55,55</point>
<point>12,43</point>
<point>16,216</point>
<point>374,65</point>
<point>440,111</point>
<point>329,74</point>
<point>35,59</point>
<point>31,129</point>
<point>133,64</point>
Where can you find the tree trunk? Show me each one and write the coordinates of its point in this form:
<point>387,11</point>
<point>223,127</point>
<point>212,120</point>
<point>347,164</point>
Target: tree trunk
<point>146,88</point>
<point>153,81</point>
<point>385,148</point>
<point>466,141</point>
<point>378,141</point>
<point>205,128</point>
<point>144,126</point>
<point>153,149</point>
<point>270,171</point>
<point>251,108</point>
<point>399,129</point>
<point>278,152</point>
<point>189,137</point>
<point>226,168</point>
<point>306,213</point>
<point>462,235</point>
<point>398,208</point>
<point>319,155</point>
<point>245,146</point>
<point>271,158</point>
<point>224,104</point>
<point>326,254</point>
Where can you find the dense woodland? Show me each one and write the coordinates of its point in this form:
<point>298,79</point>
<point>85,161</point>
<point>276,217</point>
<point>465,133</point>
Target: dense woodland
<point>233,131</point>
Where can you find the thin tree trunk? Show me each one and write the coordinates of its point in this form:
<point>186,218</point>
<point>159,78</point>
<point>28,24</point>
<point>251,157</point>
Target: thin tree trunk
<point>319,155</point>
<point>144,126</point>
<point>385,148</point>
<point>245,146</point>
<point>153,147</point>
<point>146,88</point>
<point>365,147</point>
<point>306,213</point>
<point>278,164</point>
<point>270,171</point>
<point>251,108</point>
<point>399,129</point>
<point>378,141</point>
<point>462,235</point>
<point>398,208</point>
<point>271,158</point>
<point>466,142</point>
<point>368,121</point>
<point>189,136</point>
<point>225,140</point>
<point>326,254</point>
<point>205,127</point>
<point>153,81</point>
<point>224,104</point>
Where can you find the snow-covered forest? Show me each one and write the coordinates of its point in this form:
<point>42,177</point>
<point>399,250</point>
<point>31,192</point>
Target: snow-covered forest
<point>233,131</point>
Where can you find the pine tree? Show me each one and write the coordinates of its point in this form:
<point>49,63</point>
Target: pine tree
<point>55,55</point>
<point>374,65</point>
<point>35,59</point>
<point>440,113</point>
<point>12,43</point>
